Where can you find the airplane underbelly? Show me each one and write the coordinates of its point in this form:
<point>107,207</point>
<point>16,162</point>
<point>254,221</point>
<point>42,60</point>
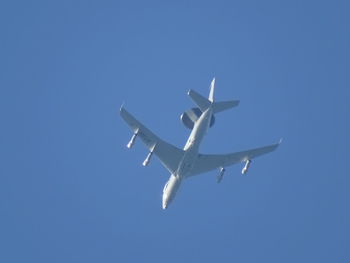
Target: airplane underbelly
<point>185,169</point>
<point>187,163</point>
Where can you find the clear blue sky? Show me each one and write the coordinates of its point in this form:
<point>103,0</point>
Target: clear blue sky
<point>70,191</point>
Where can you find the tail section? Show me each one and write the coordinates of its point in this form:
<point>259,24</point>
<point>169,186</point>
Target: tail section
<point>211,93</point>
<point>204,103</point>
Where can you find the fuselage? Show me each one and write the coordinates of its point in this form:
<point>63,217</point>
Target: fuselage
<point>191,153</point>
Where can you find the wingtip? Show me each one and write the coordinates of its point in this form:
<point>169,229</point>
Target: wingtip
<point>122,107</point>
<point>280,141</point>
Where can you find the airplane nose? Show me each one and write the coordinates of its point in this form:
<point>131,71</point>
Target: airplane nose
<point>165,201</point>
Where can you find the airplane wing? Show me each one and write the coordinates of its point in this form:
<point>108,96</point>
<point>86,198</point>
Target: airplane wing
<point>208,162</point>
<point>169,155</point>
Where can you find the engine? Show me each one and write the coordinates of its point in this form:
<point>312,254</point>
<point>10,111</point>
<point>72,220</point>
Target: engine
<point>190,116</point>
<point>221,174</point>
<point>132,141</point>
<point>148,158</point>
<point>246,167</point>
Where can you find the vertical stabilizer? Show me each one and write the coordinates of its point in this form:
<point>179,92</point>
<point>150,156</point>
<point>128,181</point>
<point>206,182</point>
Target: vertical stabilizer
<point>211,93</point>
<point>204,103</point>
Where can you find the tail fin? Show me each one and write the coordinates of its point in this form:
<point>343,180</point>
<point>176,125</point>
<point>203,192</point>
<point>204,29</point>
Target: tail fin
<point>204,103</point>
<point>211,93</point>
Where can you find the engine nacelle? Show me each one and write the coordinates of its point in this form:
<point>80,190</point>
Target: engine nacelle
<point>148,158</point>
<point>246,167</point>
<point>132,141</point>
<point>190,116</point>
<point>221,174</point>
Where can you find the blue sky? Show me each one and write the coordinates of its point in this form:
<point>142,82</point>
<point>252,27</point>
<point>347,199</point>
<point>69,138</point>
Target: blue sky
<point>70,191</point>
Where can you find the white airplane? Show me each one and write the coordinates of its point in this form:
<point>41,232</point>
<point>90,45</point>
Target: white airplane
<point>186,162</point>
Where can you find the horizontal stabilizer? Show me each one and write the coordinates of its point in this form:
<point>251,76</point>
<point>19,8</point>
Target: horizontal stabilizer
<point>224,105</point>
<point>202,102</point>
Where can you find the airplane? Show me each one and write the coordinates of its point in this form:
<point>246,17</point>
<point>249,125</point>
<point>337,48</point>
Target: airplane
<point>187,162</point>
